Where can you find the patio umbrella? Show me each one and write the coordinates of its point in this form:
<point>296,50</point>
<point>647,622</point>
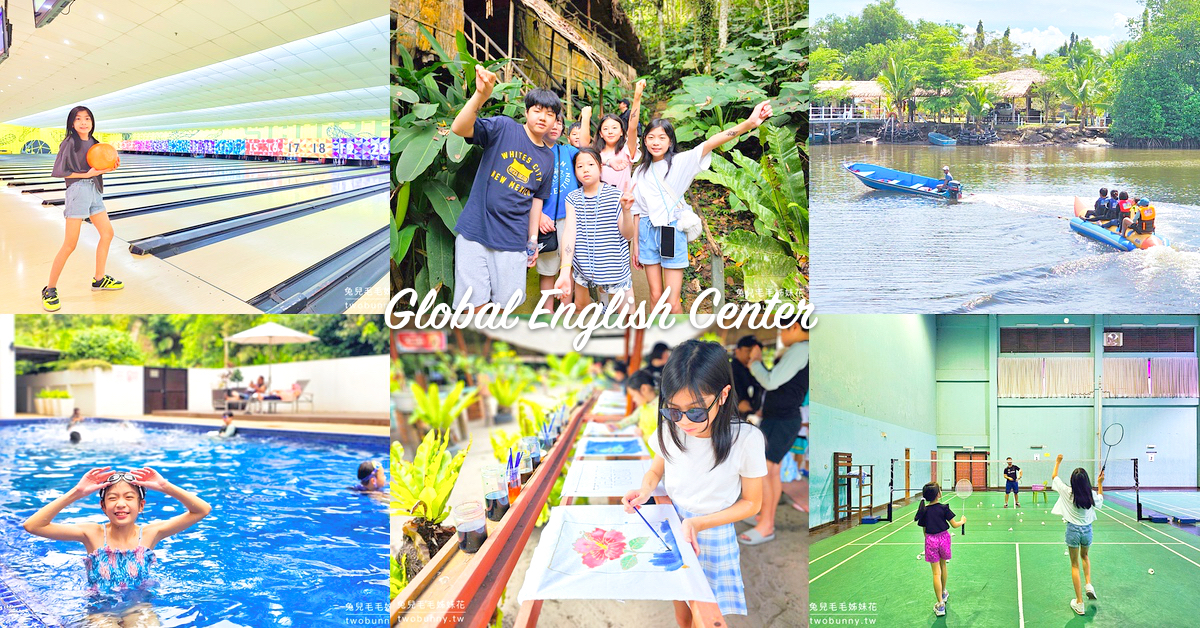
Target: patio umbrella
<point>268,334</point>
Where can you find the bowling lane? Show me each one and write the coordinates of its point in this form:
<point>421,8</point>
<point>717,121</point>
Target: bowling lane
<point>157,223</point>
<point>167,172</point>
<point>150,199</point>
<point>275,252</point>
<point>59,191</point>
<point>112,181</point>
<point>41,172</point>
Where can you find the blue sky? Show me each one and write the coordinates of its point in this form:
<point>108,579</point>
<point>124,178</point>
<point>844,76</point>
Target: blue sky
<point>1035,24</point>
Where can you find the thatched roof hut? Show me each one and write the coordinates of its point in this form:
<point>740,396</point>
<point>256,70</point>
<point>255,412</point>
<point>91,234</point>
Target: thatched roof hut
<point>558,43</point>
<point>1014,84</point>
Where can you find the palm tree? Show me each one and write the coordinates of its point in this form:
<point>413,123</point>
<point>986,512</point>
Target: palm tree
<point>978,97</point>
<point>1084,87</point>
<point>899,84</point>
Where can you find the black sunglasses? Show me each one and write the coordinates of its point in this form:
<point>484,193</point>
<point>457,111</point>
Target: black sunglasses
<point>695,415</point>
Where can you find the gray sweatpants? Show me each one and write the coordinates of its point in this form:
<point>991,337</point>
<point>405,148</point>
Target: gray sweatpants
<point>493,276</point>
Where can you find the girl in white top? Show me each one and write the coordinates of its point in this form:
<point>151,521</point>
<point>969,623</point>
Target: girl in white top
<point>712,463</point>
<point>660,183</point>
<point>1077,505</point>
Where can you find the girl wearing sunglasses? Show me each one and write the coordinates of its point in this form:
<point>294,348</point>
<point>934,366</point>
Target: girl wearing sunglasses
<point>712,463</point>
<point>119,558</point>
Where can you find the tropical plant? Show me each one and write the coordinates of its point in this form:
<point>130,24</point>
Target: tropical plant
<point>432,168</point>
<point>399,575</point>
<point>1084,87</point>
<point>507,390</point>
<point>978,97</point>
<point>53,393</point>
<point>899,83</point>
<point>439,413</point>
<point>502,442</point>
<point>421,488</point>
<point>570,370</point>
<point>88,364</point>
<point>772,189</point>
<point>705,106</point>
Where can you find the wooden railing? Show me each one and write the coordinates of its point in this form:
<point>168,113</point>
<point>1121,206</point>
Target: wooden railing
<point>847,112</point>
<point>483,47</point>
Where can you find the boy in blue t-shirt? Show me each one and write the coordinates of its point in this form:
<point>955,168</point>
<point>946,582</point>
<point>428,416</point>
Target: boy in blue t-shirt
<point>498,227</point>
<point>554,210</point>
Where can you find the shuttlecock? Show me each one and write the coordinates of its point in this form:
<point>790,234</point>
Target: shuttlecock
<point>1066,552</point>
<point>1151,572</point>
<point>1021,520</point>
<point>921,556</point>
<point>989,523</point>
<point>997,516</point>
<point>1043,523</point>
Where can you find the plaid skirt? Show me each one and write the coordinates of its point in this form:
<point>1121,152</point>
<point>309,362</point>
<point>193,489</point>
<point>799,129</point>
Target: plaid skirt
<point>720,557</point>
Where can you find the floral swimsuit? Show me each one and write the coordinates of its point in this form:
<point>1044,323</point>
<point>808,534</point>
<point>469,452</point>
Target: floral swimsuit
<point>114,570</point>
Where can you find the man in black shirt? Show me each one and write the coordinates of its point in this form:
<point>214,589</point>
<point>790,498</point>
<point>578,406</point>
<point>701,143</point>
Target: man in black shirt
<point>1012,473</point>
<point>749,392</point>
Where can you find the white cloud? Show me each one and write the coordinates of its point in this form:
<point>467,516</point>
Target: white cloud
<point>1120,20</point>
<point>1037,39</point>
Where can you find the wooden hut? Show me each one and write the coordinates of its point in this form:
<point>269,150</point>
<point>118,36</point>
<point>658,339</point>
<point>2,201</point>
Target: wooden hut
<point>558,43</point>
<point>1016,84</point>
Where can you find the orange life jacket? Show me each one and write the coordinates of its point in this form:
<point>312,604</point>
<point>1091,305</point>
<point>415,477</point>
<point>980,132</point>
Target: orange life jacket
<point>1145,222</point>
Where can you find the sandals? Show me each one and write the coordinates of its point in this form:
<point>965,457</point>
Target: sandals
<point>754,537</point>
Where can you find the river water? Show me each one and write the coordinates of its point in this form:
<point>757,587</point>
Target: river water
<point>1007,247</point>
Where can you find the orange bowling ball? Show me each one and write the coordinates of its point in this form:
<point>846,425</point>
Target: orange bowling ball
<point>103,157</point>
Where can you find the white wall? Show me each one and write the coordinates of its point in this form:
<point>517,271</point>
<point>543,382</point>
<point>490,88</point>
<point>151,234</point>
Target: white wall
<point>8,373</point>
<point>355,384</point>
<point>96,392</point>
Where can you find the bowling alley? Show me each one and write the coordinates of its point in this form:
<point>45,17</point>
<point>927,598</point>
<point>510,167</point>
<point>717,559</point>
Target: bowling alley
<point>193,156</point>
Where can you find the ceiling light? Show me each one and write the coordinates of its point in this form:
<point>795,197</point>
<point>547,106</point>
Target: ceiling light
<point>100,15</point>
<point>67,42</point>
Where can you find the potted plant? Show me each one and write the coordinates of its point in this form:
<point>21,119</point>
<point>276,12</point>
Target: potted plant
<point>421,490</point>
<point>439,411</point>
<point>52,402</point>
<point>506,390</point>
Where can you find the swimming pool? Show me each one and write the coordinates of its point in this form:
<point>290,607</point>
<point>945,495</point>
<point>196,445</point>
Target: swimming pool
<point>287,544</point>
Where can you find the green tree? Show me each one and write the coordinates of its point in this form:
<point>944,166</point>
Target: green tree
<point>978,98</point>
<point>825,64</point>
<point>879,23</point>
<point>102,343</point>
<point>899,83</point>
<point>940,66</point>
<point>1084,87</point>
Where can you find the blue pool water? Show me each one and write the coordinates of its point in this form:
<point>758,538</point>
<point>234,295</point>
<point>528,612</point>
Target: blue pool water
<point>287,544</point>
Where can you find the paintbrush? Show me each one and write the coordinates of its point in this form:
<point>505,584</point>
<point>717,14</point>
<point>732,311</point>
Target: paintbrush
<point>655,532</point>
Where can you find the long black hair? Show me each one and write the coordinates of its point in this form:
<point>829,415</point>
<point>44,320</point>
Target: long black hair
<point>669,129</point>
<point>929,492</point>
<point>598,141</point>
<point>703,369</point>
<point>1081,489</point>
<point>590,152</point>
<point>71,134</point>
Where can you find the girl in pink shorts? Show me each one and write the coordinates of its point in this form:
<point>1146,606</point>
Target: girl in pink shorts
<point>937,518</point>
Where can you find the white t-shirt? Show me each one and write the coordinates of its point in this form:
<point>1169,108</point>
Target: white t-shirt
<point>694,485</point>
<point>1065,506</point>
<point>654,201</point>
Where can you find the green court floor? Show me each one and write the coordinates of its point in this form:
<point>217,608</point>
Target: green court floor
<point>1011,573</point>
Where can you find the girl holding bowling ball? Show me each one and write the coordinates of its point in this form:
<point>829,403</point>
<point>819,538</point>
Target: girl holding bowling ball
<point>84,200</point>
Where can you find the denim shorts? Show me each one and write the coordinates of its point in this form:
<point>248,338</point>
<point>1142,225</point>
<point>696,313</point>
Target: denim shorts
<point>1078,535</point>
<point>83,200</point>
<point>649,249</point>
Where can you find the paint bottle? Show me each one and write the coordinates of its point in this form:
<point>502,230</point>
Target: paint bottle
<point>471,525</point>
<point>514,484</point>
<point>495,491</point>
<point>525,467</point>
<point>532,449</point>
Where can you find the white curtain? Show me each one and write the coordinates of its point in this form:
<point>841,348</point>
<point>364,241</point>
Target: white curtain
<point>1174,377</point>
<point>1019,378</point>
<point>1125,377</point>
<point>1069,377</point>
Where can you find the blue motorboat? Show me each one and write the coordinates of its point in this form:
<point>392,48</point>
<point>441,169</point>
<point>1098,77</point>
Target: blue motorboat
<point>937,139</point>
<point>880,178</point>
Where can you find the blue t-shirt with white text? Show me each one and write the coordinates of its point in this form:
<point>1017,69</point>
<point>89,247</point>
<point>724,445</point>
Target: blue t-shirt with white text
<point>511,173</point>
<point>563,181</point>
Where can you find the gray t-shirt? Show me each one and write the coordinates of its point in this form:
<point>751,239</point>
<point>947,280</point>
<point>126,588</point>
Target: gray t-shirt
<point>662,204</point>
<point>71,162</point>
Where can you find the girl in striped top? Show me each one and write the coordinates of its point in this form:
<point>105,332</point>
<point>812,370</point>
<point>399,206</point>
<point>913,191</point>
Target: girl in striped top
<point>595,238</point>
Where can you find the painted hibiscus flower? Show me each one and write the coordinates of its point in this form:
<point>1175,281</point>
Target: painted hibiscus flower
<point>599,546</point>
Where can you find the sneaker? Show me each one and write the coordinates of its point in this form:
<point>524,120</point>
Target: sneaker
<point>50,299</point>
<point>107,283</point>
<point>1006,505</point>
<point>940,610</point>
<point>1090,591</point>
<point>1018,506</point>
<point>1077,607</point>
<point>945,595</point>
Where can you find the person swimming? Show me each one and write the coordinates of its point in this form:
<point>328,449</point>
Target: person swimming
<point>371,477</point>
<point>119,559</point>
